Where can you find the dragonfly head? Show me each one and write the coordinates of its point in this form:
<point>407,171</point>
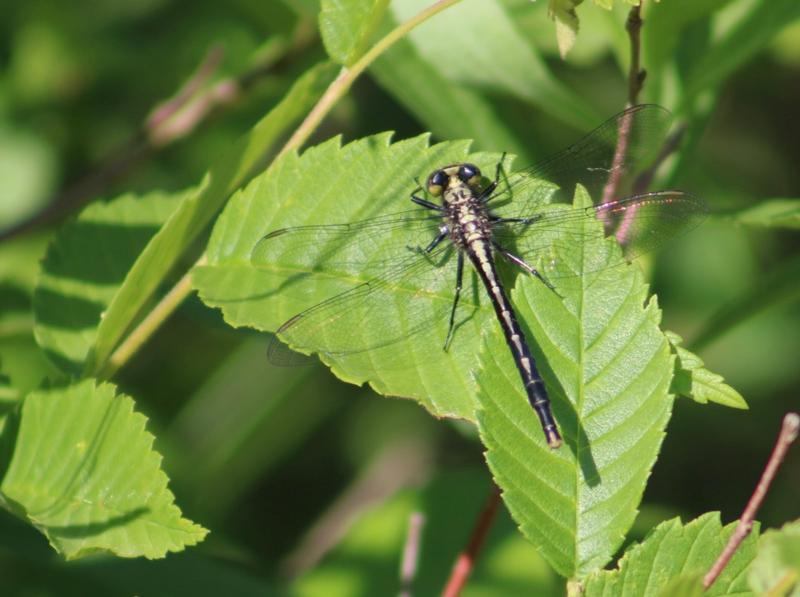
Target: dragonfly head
<point>450,176</point>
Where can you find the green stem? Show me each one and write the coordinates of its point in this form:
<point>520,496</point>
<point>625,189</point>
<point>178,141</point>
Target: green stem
<point>148,326</point>
<point>347,76</point>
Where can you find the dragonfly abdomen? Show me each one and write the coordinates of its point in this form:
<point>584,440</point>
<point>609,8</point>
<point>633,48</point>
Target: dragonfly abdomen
<point>480,254</point>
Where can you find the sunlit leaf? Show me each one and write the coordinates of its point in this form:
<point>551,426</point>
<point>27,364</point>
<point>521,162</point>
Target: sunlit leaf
<point>607,368</point>
<point>674,553</point>
<point>85,474</point>
<point>330,184</point>
<point>694,381</point>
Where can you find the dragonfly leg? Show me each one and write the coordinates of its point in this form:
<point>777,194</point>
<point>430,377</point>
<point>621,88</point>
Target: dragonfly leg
<point>518,261</point>
<point>459,277</point>
<point>486,194</point>
<point>425,203</point>
<point>443,232</point>
<point>500,220</point>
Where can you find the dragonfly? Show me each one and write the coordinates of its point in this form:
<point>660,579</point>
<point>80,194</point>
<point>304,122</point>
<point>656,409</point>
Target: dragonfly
<point>459,215</point>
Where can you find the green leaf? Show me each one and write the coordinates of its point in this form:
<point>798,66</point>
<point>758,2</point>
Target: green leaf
<point>347,26</point>
<point>196,211</point>
<point>607,368</point>
<point>85,266</point>
<point>698,383</point>
<point>771,213</point>
<point>674,553</point>
<point>330,184</point>
<point>85,474</point>
<point>684,585</point>
<point>503,62</point>
<point>776,568</point>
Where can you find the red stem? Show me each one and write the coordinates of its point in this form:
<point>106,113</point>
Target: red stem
<point>788,433</point>
<point>466,560</point>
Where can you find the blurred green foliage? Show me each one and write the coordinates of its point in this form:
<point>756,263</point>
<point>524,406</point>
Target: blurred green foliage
<point>279,464</point>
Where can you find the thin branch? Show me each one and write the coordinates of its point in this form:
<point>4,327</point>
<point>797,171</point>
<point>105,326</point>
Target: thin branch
<point>466,560</point>
<point>347,76</point>
<point>408,567</point>
<point>636,74</point>
<point>787,435</point>
<point>635,81</point>
<point>148,326</point>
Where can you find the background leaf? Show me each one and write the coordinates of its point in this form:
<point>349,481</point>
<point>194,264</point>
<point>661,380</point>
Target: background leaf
<point>504,61</point>
<point>776,568</point>
<point>771,213</point>
<point>84,268</point>
<point>607,369</point>
<point>84,473</point>
<point>675,550</point>
<point>347,26</point>
<point>749,35</point>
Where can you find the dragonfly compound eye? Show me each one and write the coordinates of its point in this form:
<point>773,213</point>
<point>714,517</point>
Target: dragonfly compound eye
<point>436,182</point>
<point>470,174</point>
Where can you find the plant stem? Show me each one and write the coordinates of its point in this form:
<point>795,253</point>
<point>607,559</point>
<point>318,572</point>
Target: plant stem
<point>408,567</point>
<point>348,75</point>
<point>636,75</point>
<point>466,560</point>
<point>787,435</point>
<point>147,327</point>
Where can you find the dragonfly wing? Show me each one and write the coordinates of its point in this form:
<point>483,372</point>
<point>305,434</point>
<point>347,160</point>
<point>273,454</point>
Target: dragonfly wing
<point>607,161</point>
<point>354,245</point>
<point>409,297</point>
<point>640,223</point>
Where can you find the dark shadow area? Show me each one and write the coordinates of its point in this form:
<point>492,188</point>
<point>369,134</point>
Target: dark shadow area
<point>63,311</point>
<point>79,531</point>
<point>97,253</point>
<point>566,416</point>
<point>13,298</point>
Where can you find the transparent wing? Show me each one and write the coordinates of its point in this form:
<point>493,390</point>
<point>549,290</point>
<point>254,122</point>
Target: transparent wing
<point>383,287</point>
<point>640,224</point>
<point>607,162</point>
<point>352,244</point>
